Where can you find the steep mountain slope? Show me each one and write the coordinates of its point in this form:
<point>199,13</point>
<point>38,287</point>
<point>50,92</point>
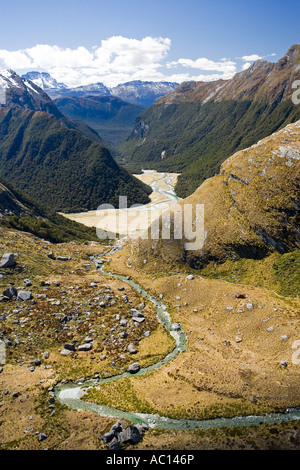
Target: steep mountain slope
<point>22,93</point>
<point>20,212</point>
<point>195,128</point>
<point>251,208</point>
<point>60,167</point>
<point>142,93</point>
<point>111,117</point>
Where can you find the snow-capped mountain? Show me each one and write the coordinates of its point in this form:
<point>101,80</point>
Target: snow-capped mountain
<point>143,93</point>
<point>56,89</point>
<point>44,81</point>
<point>23,93</point>
<point>135,92</point>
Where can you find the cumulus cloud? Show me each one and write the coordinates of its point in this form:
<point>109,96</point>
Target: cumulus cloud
<point>119,59</point>
<point>251,58</point>
<point>225,67</point>
<point>116,59</point>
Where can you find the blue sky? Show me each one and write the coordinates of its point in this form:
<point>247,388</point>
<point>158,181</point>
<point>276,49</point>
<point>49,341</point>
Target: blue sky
<point>87,41</point>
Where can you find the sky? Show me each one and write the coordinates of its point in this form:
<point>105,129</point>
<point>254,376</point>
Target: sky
<point>115,41</point>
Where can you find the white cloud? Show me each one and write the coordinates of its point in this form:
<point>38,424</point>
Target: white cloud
<point>225,67</point>
<point>119,59</point>
<point>251,58</point>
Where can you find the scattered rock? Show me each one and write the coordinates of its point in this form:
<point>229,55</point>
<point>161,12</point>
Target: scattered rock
<point>24,295</point>
<point>85,347</point>
<point>138,319</point>
<point>10,292</point>
<point>27,282</point>
<point>283,363</point>
<point>132,349</point>
<point>42,436</point>
<point>190,277</point>
<point>63,258</point>
<point>7,260</point>
<point>65,352</point>
<point>70,347</point>
<point>134,368</point>
<point>238,339</point>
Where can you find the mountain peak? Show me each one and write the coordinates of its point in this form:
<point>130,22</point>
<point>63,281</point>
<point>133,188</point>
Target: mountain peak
<point>292,57</point>
<point>44,81</point>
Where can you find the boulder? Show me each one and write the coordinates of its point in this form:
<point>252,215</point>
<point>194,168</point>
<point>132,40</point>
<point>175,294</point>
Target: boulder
<point>115,444</point>
<point>65,352</point>
<point>85,347</point>
<point>108,436</point>
<point>7,260</point>
<point>130,435</point>
<point>10,292</point>
<point>132,349</point>
<point>134,368</point>
<point>70,347</point>
<point>138,319</point>
<point>24,295</point>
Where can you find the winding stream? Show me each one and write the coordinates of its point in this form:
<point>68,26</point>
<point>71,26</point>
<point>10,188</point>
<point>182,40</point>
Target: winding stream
<point>71,393</point>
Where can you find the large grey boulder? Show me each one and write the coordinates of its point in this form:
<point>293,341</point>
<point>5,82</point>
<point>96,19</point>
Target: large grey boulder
<point>134,368</point>
<point>7,260</point>
<point>24,295</point>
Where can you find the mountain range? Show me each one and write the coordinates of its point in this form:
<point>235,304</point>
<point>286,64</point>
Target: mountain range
<point>135,92</point>
<point>196,127</point>
<point>53,159</point>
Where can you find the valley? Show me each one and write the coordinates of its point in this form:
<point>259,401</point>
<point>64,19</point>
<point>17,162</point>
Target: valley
<point>117,332</point>
<point>133,221</point>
